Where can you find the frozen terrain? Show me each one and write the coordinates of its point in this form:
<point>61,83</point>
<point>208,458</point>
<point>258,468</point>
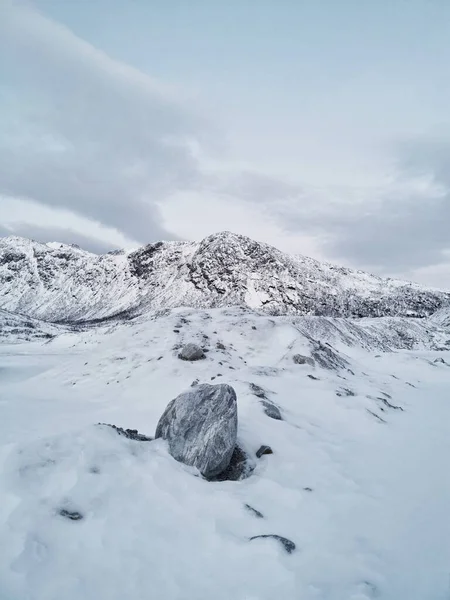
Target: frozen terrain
<point>357,479</point>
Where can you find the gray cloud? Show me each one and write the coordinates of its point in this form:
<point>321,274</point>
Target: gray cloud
<point>57,234</point>
<point>84,132</point>
<point>403,231</point>
<point>390,229</point>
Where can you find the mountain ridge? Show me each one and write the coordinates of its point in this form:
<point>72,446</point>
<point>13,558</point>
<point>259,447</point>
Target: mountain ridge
<point>60,282</point>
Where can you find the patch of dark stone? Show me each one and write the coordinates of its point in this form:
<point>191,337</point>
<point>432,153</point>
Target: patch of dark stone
<point>258,391</point>
<point>254,512</point>
<point>389,405</point>
<point>272,410</point>
<point>307,489</point>
<point>439,360</point>
<point>312,377</point>
<point>176,331</point>
<point>328,358</point>
<point>385,402</point>
<point>73,515</point>
<point>299,359</point>
<point>240,467</point>
<point>376,416</point>
<point>194,383</point>
<point>131,434</point>
<point>386,395</point>
<point>410,384</point>
<point>220,346</point>
<point>159,358</point>
<point>263,450</point>
<point>345,392</point>
<point>288,545</point>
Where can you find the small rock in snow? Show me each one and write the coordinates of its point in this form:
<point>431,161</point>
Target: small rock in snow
<point>258,391</point>
<point>263,450</point>
<point>312,377</point>
<point>288,545</point>
<point>272,410</point>
<point>73,515</point>
<point>191,352</point>
<point>345,392</point>
<point>201,427</point>
<point>220,346</point>
<point>254,512</point>
<point>376,416</point>
<point>328,358</point>
<point>299,359</point>
<point>131,434</point>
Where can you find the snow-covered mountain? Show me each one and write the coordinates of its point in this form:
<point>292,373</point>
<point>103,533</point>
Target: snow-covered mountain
<point>58,282</point>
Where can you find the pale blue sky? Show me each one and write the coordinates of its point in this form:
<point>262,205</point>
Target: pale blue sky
<point>320,126</point>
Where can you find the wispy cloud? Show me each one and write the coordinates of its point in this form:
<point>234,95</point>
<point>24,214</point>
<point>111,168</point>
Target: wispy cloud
<point>82,131</point>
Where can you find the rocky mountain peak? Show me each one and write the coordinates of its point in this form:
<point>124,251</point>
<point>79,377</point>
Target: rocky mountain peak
<point>60,282</point>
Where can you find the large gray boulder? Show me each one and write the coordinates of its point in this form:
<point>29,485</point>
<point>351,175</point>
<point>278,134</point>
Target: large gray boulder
<point>201,427</point>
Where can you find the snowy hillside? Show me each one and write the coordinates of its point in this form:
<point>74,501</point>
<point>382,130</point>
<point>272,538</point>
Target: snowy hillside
<point>57,282</point>
<point>357,478</point>
<point>17,328</point>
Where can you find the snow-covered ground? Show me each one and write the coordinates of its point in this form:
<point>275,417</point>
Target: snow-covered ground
<point>361,488</point>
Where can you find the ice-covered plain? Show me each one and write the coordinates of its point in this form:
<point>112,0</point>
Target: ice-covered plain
<point>357,479</point>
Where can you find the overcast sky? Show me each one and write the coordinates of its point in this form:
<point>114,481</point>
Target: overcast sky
<point>319,126</point>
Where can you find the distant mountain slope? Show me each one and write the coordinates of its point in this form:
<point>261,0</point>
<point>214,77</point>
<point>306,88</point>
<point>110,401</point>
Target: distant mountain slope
<point>58,282</point>
<point>16,328</point>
